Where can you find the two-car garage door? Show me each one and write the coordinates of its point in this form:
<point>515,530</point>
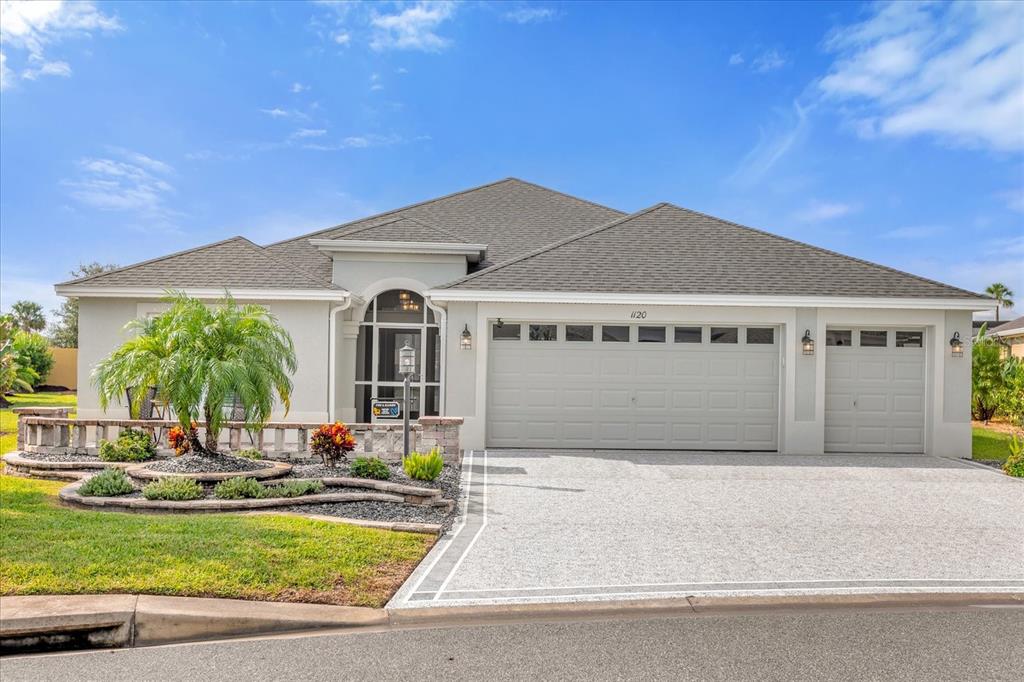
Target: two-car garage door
<point>695,387</point>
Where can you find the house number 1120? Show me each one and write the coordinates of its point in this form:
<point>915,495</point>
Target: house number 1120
<point>638,315</point>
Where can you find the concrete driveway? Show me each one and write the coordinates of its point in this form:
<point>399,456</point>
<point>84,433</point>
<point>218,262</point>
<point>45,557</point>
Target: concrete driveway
<point>561,526</point>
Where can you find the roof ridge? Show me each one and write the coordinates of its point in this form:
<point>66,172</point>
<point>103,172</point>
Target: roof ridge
<point>551,247</point>
<point>399,219</point>
<point>828,251</point>
<point>569,196</point>
<point>310,235</point>
<point>287,263</point>
<point>183,252</point>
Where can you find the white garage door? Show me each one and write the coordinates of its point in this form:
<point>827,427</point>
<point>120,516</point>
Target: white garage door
<point>874,390</point>
<point>633,386</point>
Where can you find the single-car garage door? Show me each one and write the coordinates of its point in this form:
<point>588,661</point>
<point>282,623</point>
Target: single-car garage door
<point>696,387</point>
<point>874,390</point>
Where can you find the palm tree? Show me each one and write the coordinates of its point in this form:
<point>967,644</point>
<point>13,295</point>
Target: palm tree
<point>28,315</point>
<point>1003,296</point>
<point>201,357</point>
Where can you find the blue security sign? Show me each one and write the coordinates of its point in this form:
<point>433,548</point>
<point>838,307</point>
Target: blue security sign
<point>386,409</point>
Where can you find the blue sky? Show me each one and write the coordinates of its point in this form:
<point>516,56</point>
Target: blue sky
<point>894,133</point>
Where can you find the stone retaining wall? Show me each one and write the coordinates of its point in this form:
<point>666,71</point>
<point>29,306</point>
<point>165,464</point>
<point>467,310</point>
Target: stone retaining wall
<point>49,430</point>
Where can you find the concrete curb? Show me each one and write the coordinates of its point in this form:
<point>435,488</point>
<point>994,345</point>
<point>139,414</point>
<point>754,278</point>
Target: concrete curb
<point>38,623</point>
<point>439,616</point>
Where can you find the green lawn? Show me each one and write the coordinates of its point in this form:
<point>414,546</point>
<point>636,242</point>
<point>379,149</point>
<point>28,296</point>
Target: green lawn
<point>9,420</point>
<point>49,549</point>
<point>990,444</point>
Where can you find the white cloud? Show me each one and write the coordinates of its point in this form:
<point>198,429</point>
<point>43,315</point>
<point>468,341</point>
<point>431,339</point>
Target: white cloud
<point>299,87</point>
<point>820,211</point>
<point>358,142</point>
<point>413,28</point>
<point>30,27</point>
<point>309,132</point>
<point>914,232</point>
<point>769,60</point>
<point>735,59</point>
<point>342,38</point>
<point>772,145</point>
<point>952,70</point>
<point>276,112</point>
<point>132,182</point>
<point>530,15</point>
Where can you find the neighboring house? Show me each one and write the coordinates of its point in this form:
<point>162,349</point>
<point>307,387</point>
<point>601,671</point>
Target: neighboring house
<point>549,321</point>
<point>1011,335</point>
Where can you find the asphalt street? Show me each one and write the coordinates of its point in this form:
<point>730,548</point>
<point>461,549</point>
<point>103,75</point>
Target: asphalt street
<point>969,643</point>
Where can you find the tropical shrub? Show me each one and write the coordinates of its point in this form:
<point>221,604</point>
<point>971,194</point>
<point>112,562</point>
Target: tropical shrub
<point>107,483</point>
<point>295,488</point>
<point>181,440</point>
<point>1011,399</point>
<point>35,352</point>
<point>131,446</point>
<point>370,467</point>
<point>202,357</point>
<point>239,488</point>
<point>1014,464</point>
<point>424,467</point>
<point>987,380</point>
<point>173,488</point>
<point>249,453</point>
<point>331,441</point>
<point>15,372</point>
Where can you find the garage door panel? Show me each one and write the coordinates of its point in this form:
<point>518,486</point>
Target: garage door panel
<point>875,399</point>
<point>633,395</point>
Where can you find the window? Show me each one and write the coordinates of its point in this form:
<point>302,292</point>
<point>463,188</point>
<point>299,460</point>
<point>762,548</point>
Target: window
<point>651,335</point>
<point>760,335</point>
<point>688,334</point>
<point>874,339</point>
<point>505,332</point>
<point>543,332</point>
<point>909,339</point>
<point>724,335</point>
<point>615,334</point>
<point>579,332</point>
<point>838,337</point>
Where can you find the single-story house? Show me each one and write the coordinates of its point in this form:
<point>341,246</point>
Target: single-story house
<point>1011,335</point>
<point>545,320</point>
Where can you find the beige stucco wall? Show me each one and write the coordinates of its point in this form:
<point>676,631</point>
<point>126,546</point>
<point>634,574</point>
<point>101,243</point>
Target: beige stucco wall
<point>101,330</point>
<point>65,368</point>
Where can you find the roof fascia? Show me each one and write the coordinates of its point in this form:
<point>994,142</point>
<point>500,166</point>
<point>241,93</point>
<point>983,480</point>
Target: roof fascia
<point>473,252</point>
<point>973,304</point>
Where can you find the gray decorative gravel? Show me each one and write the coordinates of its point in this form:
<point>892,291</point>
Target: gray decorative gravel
<point>58,457</point>
<point>994,463</point>
<point>196,464</point>
<point>448,482</point>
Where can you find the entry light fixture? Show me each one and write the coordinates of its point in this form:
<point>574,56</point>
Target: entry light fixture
<point>808,343</point>
<point>466,339</point>
<point>956,345</point>
<point>406,360</point>
<point>499,324</point>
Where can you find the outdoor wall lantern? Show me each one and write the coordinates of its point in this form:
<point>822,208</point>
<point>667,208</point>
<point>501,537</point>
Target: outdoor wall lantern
<point>406,367</point>
<point>466,339</point>
<point>808,343</point>
<point>956,345</point>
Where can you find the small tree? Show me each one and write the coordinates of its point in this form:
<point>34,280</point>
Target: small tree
<point>64,331</point>
<point>987,379</point>
<point>28,315</point>
<point>200,357</point>
<point>1003,296</point>
<point>34,350</point>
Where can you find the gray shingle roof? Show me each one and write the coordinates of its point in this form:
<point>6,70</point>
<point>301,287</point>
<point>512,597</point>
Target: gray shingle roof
<point>670,250</point>
<point>511,216</point>
<point>1011,327</point>
<point>402,230</point>
<point>235,262</point>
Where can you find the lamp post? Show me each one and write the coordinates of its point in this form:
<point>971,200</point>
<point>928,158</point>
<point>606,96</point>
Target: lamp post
<point>406,367</point>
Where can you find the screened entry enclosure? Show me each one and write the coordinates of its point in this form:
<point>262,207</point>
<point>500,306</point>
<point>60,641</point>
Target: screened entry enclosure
<point>392,320</point>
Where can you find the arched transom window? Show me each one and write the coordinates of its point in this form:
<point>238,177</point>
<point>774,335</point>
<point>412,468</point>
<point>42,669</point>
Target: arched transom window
<point>393,319</point>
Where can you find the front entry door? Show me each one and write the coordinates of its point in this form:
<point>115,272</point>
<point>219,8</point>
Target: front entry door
<point>390,383</point>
